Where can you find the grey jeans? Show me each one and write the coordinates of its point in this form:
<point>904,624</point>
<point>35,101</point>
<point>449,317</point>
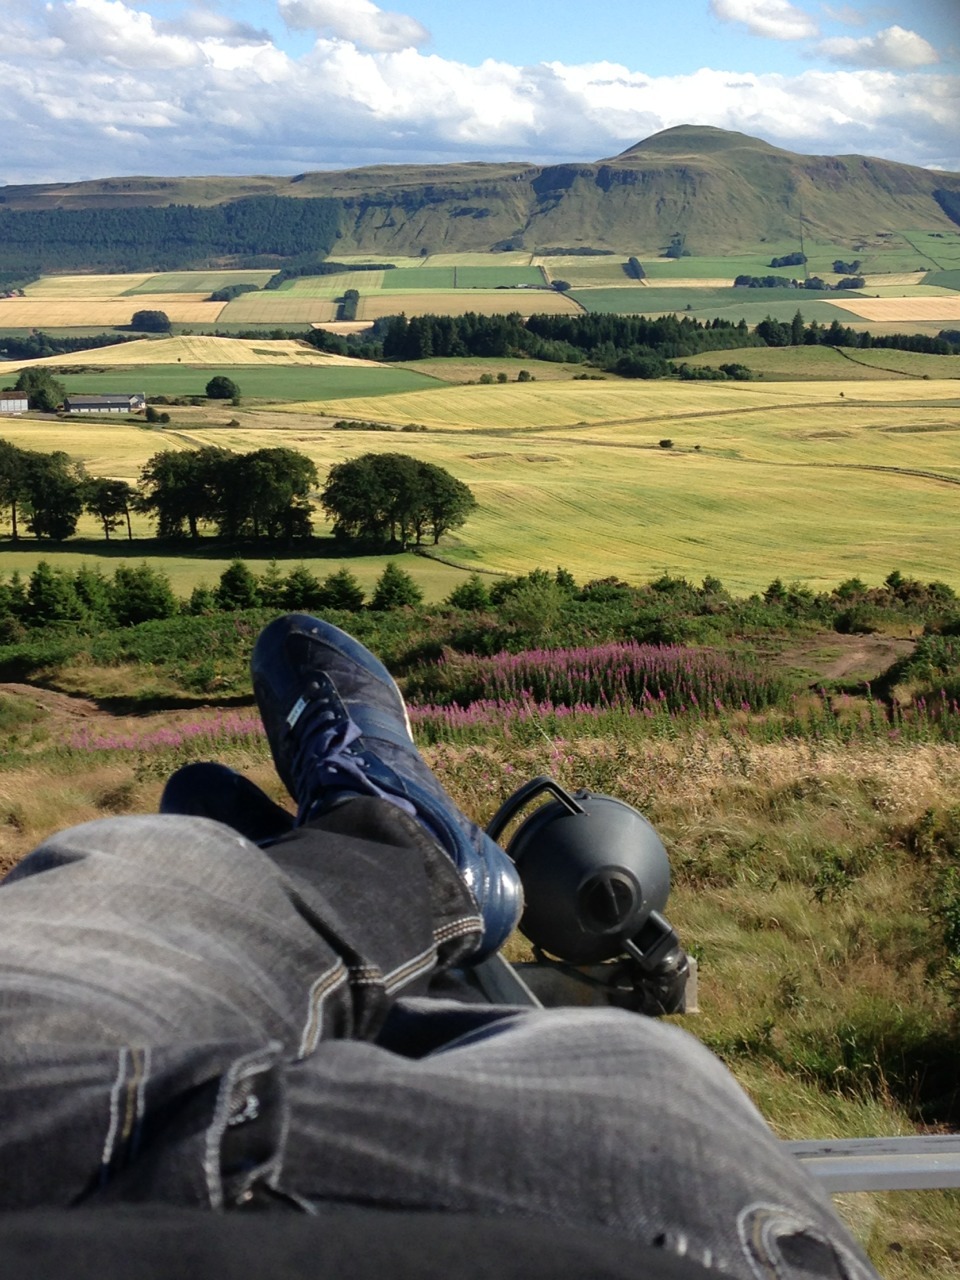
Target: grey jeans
<point>188,1018</point>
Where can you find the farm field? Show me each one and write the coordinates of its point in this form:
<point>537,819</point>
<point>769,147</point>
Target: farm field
<point>270,382</point>
<point>94,286</point>
<point>200,350</point>
<point>917,278</point>
<point>531,407</point>
<point>65,313</point>
<point>278,308</point>
<point>787,364</point>
<point>200,281</point>
<point>786,479</point>
<point>458,302</point>
<point>703,303</point>
<point>904,310</point>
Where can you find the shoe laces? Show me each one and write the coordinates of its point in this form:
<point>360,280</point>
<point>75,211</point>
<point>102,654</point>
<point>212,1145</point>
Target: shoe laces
<point>324,758</point>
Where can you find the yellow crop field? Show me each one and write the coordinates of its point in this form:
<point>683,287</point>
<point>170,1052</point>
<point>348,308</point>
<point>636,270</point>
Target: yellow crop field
<point>762,497</point>
<point>525,302</point>
<point>905,310</point>
<point>73,287</point>
<point>532,406</point>
<point>788,480</point>
<point>195,349</point>
<point>278,308</point>
<point>54,313</point>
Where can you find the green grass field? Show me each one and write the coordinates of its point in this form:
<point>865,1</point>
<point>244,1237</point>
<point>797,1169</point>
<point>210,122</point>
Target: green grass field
<point>830,364</point>
<point>944,279</point>
<point>468,277</point>
<point>414,279</point>
<point>256,382</point>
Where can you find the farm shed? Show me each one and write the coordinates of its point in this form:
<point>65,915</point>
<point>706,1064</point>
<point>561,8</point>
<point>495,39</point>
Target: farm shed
<point>13,404</point>
<point>106,403</point>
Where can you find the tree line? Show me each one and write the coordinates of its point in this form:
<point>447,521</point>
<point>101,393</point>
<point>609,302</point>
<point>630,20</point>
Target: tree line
<point>266,496</point>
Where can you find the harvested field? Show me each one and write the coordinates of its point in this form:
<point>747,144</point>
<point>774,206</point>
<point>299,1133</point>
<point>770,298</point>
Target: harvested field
<point>533,407</point>
<point>192,349</point>
<point>708,282</point>
<point>458,302</point>
<point>279,308</point>
<point>55,313</point>
<point>85,286</point>
<point>516,258</point>
<point>583,272</point>
<point>904,310</point>
<point>906,278</point>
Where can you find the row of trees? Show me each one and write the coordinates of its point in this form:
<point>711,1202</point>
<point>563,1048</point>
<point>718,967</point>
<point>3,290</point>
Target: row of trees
<point>389,499</point>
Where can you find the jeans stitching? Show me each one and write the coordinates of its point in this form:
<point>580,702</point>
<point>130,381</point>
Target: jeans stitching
<point>328,981</point>
<point>456,928</point>
<point>109,1143</point>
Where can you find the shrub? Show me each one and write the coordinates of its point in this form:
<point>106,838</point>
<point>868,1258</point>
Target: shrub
<point>472,594</point>
<point>140,594</point>
<point>394,589</point>
<point>343,591</point>
<point>237,588</point>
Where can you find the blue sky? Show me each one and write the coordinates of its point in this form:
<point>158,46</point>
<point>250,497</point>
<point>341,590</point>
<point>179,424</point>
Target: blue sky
<point>94,88</point>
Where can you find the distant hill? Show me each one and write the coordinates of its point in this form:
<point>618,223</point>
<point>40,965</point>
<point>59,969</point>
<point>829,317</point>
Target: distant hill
<point>718,190</point>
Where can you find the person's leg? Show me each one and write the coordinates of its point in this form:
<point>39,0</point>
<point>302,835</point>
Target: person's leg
<point>165,928</point>
<point>207,789</point>
<point>157,973</point>
<point>602,1118</point>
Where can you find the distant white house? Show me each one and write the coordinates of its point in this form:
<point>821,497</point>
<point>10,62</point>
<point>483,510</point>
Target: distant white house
<point>12,403</point>
<point>105,404</point>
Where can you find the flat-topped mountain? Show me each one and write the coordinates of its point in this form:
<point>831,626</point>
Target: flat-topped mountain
<point>717,189</point>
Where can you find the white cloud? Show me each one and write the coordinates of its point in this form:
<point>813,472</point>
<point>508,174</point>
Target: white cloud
<point>96,88</point>
<point>107,30</point>
<point>893,47</point>
<point>776,19</point>
<point>358,21</point>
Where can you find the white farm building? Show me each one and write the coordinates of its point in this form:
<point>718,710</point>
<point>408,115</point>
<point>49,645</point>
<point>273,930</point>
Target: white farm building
<point>106,403</point>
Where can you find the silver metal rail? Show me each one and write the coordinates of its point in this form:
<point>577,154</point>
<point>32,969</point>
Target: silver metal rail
<point>921,1163</point>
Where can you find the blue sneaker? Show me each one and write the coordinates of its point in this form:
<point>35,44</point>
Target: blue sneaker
<point>338,728</point>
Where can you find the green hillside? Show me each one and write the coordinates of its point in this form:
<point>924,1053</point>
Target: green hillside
<point>708,190</point>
